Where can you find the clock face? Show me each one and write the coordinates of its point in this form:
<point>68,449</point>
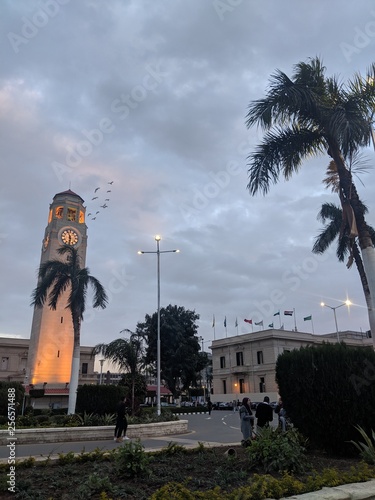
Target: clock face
<point>69,237</point>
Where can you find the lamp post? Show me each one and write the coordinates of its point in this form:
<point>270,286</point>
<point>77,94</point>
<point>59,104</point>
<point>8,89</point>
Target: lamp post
<point>346,303</point>
<point>158,252</point>
<point>101,361</point>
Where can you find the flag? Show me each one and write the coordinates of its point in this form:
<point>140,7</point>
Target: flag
<point>277,314</point>
<point>248,321</point>
<point>308,318</point>
<point>225,322</point>
<point>260,323</point>
<point>213,321</point>
<point>236,323</point>
<point>288,313</point>
<point>270,325</point>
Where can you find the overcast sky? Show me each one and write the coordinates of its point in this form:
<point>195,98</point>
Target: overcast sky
<point>152,95</point>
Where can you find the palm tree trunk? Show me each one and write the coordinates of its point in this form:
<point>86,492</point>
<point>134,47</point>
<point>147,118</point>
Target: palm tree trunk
<point>74,374</point>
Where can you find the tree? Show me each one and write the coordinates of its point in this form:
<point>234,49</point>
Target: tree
<point>331,215</point>
<point>127,354</point>
<point>180,358</point>
<point>55,277</point>
<point>305,116</point>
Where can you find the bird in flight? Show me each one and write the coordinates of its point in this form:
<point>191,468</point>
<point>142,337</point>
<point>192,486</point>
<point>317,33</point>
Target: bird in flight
<point>97,212</point>
<point>89,214</point>
<point>104,206</point>
<point>109,191</point>
<point>107,199</point>
<point>110,182</point>
<point>95,198</point>
<point>96,189</point>
<point>93,218</point>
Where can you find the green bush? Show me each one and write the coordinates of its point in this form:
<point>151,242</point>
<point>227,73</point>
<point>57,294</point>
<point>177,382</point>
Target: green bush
<point>366,449</point>
<point>276,451</point>
<point>327,390</point>
<point>132,460</point>
<point>98,399</point>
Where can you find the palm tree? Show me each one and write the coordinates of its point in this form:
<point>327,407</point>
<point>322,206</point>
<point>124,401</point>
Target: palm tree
<point>331,215</point>
<point>57,277</point>
<point>127,354</point>
<point>305,116</point>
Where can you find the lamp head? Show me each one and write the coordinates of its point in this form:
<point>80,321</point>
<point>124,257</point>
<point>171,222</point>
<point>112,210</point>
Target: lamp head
<point>157,237</point>
<point>322,304</point>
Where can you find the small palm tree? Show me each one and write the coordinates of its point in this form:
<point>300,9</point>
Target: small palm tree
<point>127,354</point>
<point>57,277</point>
<point>335,228</point>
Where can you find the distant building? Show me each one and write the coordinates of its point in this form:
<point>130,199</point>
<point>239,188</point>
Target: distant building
<point>14,354</point>
<point>245,364</point>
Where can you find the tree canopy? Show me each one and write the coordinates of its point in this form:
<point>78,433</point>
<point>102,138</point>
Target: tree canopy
<point>180,356</point>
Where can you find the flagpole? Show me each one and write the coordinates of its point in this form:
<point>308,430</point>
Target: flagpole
<point>312,324</point>
<point>295,321</point>
<point>280,319</point>
<point>213,325</point>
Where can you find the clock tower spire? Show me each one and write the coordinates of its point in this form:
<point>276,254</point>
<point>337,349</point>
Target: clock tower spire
<point>51,340</point>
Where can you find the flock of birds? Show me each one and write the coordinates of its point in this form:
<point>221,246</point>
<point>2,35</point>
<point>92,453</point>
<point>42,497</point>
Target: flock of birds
<point>100,198</point>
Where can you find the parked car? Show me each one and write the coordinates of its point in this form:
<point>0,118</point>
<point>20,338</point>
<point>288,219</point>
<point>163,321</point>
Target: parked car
<point>225,406</point>
<point>254,405</point>
<point>187,403</point>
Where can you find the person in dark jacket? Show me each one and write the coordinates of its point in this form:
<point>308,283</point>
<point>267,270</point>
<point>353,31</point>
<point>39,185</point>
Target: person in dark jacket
<point>264,413</point>
<point>247,420</point>
<point>121,422</point>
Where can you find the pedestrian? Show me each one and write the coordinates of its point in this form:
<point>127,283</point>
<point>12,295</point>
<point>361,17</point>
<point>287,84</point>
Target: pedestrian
<point>247,421</point>
<point>209,407</point>
<point>121,422</point>
<point>281,411</point>
<point>264,413</point>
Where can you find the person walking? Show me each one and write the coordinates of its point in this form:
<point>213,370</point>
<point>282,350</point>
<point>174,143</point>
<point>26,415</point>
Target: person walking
<point>209,407</point>
<point>247,421</point>
<point>264,413</point>
<point>121,422</point>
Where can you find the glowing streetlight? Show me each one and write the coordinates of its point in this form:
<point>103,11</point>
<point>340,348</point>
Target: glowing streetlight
<point>346,303</point>
<point>158,252</point>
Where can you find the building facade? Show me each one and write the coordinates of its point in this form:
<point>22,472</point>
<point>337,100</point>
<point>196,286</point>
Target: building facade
<point>14,354</point>
<point>51,341</point>
<point>246,364</point>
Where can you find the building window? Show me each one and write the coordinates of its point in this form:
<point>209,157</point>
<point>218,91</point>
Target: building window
<point>222,361</point>
<point>4,363</point>
<point>262,385</point>
<point>224,386</point>
<point>242,385</point>
<point>59,212</point>
<point>71,214</point>
<point>84,368</point>
<point>260,357</point>
<point>239,358</point>
<point>81,217</point>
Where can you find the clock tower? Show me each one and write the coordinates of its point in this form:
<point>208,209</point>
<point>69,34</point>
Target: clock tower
<point>51,340</point>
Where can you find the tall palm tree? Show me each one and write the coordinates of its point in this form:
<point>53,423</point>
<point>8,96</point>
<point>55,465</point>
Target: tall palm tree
<point>57,277</point>
<point>331,216</point>
<point>305,116</point>
<point>127,354</point>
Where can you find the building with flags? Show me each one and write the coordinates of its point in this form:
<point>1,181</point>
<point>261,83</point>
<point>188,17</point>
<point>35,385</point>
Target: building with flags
<point>246,364</point>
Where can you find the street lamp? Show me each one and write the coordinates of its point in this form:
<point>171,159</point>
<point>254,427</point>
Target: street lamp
<point>101,361</point>
<point>158,252</point>
<point>346,303</point>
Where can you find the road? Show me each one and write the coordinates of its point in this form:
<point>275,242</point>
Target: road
<point>222,428</point>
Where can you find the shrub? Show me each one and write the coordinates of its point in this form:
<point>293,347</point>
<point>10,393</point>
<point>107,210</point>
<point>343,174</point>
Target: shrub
<point>366,449</point>
<point>276,451</point>
<point>132,460</point>
<point>326,391</point>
